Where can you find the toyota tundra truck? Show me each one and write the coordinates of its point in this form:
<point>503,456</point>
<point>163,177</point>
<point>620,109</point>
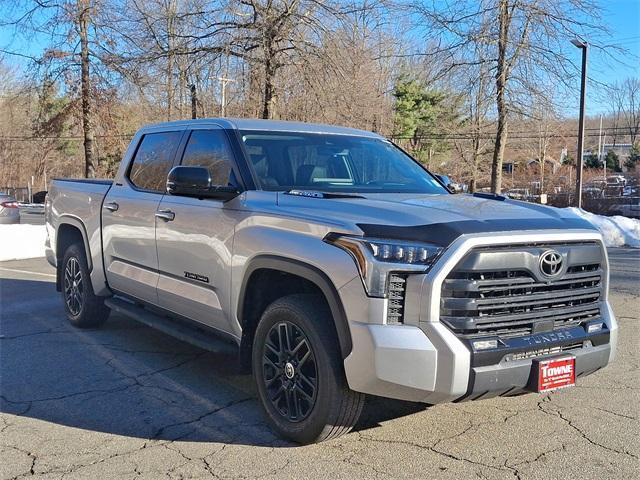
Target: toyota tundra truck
<point>333,265</point>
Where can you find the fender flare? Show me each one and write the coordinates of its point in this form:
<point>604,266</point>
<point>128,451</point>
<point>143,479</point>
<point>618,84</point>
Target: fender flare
<point>315,276</point>
<point>73,222</point>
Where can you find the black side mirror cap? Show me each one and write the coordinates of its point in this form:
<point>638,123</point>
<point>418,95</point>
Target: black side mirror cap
<point>189,181</point>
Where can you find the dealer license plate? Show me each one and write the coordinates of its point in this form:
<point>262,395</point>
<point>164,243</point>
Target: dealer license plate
<point>556,373</point>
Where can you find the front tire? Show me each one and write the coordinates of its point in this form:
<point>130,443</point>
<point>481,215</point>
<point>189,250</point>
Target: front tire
<point>298,371</point>
<point>83,308</point>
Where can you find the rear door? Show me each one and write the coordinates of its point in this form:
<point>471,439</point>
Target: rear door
<point>195,242</point>
<point>129,217</point>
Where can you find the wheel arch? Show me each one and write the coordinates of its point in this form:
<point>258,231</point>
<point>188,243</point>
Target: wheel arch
<point>70,231</point>
<point>248,312</point>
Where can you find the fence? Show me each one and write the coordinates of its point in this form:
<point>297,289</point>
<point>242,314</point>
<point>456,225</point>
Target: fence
<point>627,206</point>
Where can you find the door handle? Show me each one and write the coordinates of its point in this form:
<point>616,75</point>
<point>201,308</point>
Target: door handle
<point>111,206</point>
<point>166,215</point>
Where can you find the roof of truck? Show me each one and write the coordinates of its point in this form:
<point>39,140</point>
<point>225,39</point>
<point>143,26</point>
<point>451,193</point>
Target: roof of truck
<point>267,125</point>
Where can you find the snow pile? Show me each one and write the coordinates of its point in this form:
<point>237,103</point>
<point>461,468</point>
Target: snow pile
<point>21,241</point>
<point>617,231</point>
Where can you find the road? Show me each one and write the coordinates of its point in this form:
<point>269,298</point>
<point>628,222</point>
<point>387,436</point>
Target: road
<point>126,401</point>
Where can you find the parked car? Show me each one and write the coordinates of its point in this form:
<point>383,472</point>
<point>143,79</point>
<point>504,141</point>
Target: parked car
<point>631,210</point>
<point>518,193</point>
<point>617,179</point>
<point>447,182</point>
<point>592,192</point>
<point>39,197</point>
<point>598,184</point>
<point>9,212</point>
<point>333,265</point>
<point>36,206</point>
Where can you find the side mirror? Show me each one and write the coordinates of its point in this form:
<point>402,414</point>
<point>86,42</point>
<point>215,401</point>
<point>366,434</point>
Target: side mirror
<point>196,182</point>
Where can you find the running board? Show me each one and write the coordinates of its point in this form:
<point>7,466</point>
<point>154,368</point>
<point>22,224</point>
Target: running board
<point>182,330</point>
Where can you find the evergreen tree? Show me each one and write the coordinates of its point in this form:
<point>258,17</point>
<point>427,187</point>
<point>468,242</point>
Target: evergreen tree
<point>592,161</point>
<point>612,161</point>
<point>634,157</point>
<point>421,115</point>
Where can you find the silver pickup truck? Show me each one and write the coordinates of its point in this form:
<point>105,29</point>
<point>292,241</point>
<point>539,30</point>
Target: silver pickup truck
<point>333,265</point>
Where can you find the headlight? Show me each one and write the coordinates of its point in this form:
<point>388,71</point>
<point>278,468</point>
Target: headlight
<point>377,258</point>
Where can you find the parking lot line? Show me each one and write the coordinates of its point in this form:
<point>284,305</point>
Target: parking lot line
<point>28,272</point>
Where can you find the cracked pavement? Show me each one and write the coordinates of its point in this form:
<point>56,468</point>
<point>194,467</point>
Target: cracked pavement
<point>126,401</point>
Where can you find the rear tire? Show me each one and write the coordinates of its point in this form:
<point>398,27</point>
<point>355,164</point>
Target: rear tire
<point>298,371</point>
<point>83,308</point>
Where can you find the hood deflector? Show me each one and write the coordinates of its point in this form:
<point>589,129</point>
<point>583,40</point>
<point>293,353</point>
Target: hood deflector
<point>444,234</point>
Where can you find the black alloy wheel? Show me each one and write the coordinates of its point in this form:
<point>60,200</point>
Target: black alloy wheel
<point>299,374</point>
<point>290,373</point>
<point>83,308</point>
<point>73,286</point>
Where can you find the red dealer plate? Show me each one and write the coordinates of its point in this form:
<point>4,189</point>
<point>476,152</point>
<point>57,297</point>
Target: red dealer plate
<point>556,373</point>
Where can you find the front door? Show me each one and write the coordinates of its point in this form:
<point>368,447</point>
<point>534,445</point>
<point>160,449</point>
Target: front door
<point>195,239</point>
<point>129,217</point>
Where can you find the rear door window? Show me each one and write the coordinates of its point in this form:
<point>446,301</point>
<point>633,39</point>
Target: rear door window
<point>210,149</point>
<point>153,160</point>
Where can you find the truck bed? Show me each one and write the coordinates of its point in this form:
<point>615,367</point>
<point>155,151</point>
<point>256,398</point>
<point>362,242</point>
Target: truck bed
<point>78,202</point>
<point>95,181</point>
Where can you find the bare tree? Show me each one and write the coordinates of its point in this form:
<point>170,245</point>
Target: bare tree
<point>67,23</point>
<point>527,40</point>
<point>625,104</point>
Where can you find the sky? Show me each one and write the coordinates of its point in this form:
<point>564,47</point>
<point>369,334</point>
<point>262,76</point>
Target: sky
<point>621,16</point>
<point>623,19</point>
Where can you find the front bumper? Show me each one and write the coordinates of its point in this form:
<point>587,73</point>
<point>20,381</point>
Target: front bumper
<point>513,378</point>
<point>424,361</point>
<point>407,363</point>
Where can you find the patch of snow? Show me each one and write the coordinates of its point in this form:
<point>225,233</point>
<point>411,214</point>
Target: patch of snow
<point>21,241</point>
<point>617,231</point>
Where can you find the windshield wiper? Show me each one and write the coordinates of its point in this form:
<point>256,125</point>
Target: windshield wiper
<point>319,194</point>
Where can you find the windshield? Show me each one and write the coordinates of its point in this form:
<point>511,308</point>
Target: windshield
<point>334,163</point>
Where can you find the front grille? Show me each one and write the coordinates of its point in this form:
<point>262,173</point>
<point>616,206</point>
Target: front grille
<point>479,299</point>
<point>396,294</point>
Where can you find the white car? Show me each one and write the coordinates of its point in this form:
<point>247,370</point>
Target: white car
<point>9,212</point>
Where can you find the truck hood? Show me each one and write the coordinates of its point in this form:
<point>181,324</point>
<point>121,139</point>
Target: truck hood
<point>406,216</point>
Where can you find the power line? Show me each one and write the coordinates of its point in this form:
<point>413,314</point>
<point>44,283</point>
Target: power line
<point>515,135</point>
<point>453,136</point>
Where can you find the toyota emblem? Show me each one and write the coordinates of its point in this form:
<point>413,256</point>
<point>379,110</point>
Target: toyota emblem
<point>551,263</point>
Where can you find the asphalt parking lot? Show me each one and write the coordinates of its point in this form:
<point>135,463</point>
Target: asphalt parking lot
<point>129,402</point>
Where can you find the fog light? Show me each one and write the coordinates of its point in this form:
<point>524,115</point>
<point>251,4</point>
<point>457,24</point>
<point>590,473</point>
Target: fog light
<point>485,344</point>
<point>594,327</point>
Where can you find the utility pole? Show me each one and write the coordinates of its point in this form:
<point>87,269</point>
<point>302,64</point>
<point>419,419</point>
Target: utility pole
<point>584,46</point>
<point>604,158</point>
<point>223,103</point>
<point>600,146</point>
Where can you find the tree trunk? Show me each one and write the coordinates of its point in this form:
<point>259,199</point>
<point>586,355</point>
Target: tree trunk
<point>501,82</point>
<point>171,13</point>
<point>476,159</point>
<point>269,75</point>
<point>87,119</point>
<point>477,120</point>
<point>194,101</point>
